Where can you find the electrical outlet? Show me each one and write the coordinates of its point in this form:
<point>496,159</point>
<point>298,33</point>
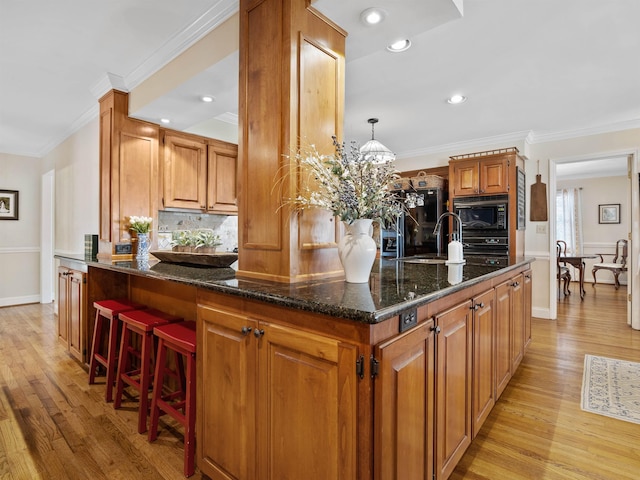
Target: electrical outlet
<point>541,228</point>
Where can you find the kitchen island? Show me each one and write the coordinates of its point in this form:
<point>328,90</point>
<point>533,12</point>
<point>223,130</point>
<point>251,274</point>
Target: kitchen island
<point>386,380</point>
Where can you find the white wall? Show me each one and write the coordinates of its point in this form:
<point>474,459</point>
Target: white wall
<point>20,239</point>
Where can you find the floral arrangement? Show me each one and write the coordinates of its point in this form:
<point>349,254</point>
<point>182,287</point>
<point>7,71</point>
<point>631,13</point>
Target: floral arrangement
<point>348,185</point>
<point>140,224</point>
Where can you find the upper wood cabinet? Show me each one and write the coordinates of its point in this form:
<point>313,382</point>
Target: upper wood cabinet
<point>199,174</point>
<point>484,176</point>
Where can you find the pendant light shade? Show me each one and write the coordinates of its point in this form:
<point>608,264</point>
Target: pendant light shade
<point>373,150</point>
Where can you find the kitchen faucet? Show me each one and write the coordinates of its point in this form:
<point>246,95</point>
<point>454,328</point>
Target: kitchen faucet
<point>454,237</point>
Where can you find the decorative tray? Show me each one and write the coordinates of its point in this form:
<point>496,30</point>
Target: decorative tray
<point>219,260</point>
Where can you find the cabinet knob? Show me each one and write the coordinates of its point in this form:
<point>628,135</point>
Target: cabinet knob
<point>246,330</point>
<point>258,332</point>
<point>435,329</point>
<point>515,284</point>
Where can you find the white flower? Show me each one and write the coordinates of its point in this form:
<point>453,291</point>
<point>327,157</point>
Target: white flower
<point>140,224</point>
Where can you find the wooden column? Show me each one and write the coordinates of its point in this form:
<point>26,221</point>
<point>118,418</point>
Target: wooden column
<point>128,173</point>
<point>291,93</point>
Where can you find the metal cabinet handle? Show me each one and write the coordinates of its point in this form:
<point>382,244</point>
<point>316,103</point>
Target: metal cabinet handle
<point>246,330</point>
<point>435,329</point>
<point>258,333</point>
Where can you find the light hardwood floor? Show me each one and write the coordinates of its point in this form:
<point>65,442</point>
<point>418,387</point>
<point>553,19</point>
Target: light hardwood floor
<point>53,425</point>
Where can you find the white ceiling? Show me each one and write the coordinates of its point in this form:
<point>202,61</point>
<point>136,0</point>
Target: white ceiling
<point>540,68</point>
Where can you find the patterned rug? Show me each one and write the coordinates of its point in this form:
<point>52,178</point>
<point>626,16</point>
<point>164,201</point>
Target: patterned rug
<point>611,387</point>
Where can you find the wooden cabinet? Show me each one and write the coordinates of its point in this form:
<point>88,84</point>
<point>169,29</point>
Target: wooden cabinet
<point>72,312</point>
<point>222,165</point>
<point>517,322</point>
<point>484,176</point>
<point>453,387</point>
<point>484,372</point>
<point>128,173</point>
<point>403,412</point>
<point>274,401</point>
<point>199,174</point>
<point>503,336</point>
<point>495,172</point>
<point>185,172</point>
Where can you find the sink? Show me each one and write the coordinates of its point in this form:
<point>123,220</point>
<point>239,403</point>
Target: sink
<point>426,261</point>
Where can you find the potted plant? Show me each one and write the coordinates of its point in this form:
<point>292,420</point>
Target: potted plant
<point>183,241</point>
<point>206,241</point>
<point>142,227</point>
<point>354,188</point>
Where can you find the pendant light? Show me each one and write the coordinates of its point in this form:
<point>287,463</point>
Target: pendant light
<point>373,150</point>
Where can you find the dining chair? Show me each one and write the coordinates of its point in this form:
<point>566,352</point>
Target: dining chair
<point>563,274</point>
<point>617,266</point>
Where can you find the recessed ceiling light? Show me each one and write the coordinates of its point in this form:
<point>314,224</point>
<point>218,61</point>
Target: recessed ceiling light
<point>399,46</point>
<point>165,120</point>
<point>372,16</point>
<point>457,98</point>
<point>207,98</point>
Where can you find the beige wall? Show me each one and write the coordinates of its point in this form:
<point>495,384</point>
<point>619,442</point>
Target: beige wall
<point>20,239</point>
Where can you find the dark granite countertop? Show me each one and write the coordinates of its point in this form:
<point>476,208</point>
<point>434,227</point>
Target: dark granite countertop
<point>394,286</point>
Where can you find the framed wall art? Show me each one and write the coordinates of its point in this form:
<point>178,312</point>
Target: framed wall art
<point>8,204</point>
<point>609,213</point>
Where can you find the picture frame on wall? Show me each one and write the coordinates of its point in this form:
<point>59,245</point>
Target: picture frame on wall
<point>8,204</point>
<point>609,213</point>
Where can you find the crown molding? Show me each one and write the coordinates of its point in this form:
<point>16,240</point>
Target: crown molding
<point>109,82</point>
<point>228,117</point>
<point>585,132</point>
<point>182,40</point>
<point>475,143</point>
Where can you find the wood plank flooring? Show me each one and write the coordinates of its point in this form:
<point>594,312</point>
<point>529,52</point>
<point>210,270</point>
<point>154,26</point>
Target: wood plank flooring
<point>537,429</point>
<point>53,425</point>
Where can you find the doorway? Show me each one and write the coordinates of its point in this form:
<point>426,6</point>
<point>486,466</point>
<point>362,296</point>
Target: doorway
<point>595,172</point>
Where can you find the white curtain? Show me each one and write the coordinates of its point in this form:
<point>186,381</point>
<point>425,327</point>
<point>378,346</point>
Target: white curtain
<point>569,219</point>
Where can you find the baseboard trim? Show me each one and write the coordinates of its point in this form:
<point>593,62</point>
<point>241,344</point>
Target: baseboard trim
<point>13,301</point>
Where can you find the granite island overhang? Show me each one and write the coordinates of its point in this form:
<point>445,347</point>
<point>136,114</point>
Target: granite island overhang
<point>394,286</point>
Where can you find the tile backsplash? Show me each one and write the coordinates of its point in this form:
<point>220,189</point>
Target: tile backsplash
<point>224,225</point>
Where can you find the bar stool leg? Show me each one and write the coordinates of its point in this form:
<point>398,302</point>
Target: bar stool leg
<point>111,358</point>
<point>145,379</point>
<point>157,391</point>
<point>124,365</point>
<point>97,339</point>
<point>190,414</point>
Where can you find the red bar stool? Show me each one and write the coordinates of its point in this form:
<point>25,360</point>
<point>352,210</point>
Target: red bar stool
<point>180,404</point>
<point>141,322</point>
<point>107,310</point>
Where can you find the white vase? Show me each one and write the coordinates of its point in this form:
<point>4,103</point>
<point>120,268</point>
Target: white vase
<point>357,251</point>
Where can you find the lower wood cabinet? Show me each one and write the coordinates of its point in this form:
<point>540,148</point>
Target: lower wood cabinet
<point>72,311</point>
<point>453,387</point>
<point>403,406</point>
<point>274,401</point>
<point>484,354</point>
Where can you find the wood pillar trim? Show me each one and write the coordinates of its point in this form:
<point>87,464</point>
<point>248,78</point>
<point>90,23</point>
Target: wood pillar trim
<point>291,94</point>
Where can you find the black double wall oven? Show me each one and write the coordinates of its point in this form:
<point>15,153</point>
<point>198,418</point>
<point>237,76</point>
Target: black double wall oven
<point>485,225</point>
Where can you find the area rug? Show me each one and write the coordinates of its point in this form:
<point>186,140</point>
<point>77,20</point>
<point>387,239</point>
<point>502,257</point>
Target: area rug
<point>611,387</point>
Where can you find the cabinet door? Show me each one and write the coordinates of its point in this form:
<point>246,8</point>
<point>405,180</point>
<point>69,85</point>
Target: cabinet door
<point>453,387</point>
<point>221,180</point>
<point>403,416</point>
<point>527,308</point>
<point>517,322</point>
<point>63,305</point>
<point>307,409</point>
<point>484,375</point>
<point>226,413</point>
<point>76,314</point>
<point>185,173</point>
<point>465,178</point>
<point>494,176</point>
<point>503,336</point>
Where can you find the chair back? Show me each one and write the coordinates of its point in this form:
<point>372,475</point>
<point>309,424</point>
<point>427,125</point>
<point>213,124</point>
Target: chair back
<point>622,248</point>
<point>562,247</point>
